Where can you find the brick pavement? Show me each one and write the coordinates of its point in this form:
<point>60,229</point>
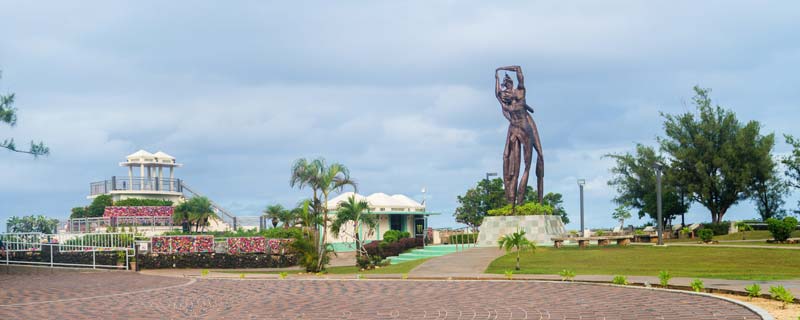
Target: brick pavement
<point>174,297</point>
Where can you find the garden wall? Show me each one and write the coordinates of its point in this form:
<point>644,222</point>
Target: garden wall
<point>539,228</point>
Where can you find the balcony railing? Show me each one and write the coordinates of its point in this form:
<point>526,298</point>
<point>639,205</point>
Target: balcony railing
<point>135,184</point>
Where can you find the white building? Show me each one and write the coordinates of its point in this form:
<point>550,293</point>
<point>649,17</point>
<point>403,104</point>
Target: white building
<point>395,212</point>
<point>150,176</point>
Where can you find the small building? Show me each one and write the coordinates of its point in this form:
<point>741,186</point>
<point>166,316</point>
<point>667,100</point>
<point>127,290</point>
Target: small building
<point>145,180</point>
<point>395,212</point>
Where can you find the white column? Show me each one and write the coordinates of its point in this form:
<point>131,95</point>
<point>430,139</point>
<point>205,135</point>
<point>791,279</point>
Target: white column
<point>171,178</point>
<point>141,176</point>
<point>130,177</point>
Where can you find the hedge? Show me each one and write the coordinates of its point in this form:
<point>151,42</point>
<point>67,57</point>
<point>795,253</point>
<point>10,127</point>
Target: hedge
<point>720,229</point>
<point>384,249</point>
<point>100,258</point>
<point>215,261</point>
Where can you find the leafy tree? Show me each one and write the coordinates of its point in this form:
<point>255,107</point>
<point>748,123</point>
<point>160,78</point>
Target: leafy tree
<point>79,212</point>
<point>792,163</point>
<point>555,201</point>
<point>712,154</point>
<point>274,212</point>
<point>357,213</point>
<point>621,213</point>
<point>477,201</point>
<point>98,206</point>
<point>33,223</point>
<point>635,181</point>
<point>516,241</point>
<point>768,195</point>
<point>8,115</point>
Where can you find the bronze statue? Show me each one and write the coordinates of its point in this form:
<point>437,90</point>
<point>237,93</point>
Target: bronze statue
<point>522,134</point>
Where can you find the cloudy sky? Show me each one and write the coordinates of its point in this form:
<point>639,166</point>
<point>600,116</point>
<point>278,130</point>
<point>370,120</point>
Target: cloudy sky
<point>399,91</point>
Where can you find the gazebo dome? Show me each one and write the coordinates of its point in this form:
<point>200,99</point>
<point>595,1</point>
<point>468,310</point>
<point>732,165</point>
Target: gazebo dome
<point>163,157</point>
<point>140,156</point>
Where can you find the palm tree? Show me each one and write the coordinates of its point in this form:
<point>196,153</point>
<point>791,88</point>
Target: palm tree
<point>197,210</point>
<point>356,212</point>
<point>516,241</point>
<point>274,212</point>
<point>322,179</point>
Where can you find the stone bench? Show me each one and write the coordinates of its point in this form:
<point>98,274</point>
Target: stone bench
<point>583,242</point>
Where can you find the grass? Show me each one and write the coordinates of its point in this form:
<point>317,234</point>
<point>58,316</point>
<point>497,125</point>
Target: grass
<point>758,243</point>
<point>399,268</point>
<point>752,235</point>
<point>694,262</point>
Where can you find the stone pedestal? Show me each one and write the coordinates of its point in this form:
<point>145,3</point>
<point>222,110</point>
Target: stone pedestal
<point>537,228</point>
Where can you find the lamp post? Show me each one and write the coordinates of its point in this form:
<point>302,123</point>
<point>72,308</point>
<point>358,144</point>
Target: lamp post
<point>659,168</point>
<point>581,183</point>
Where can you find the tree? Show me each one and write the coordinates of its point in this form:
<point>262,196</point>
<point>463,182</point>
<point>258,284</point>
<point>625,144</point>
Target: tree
<point>197,210</point>
<point>635,181</point>
<point>322,179</point>
<point>356,212</point>
<point>98,206</point>
<point>32,223</point>
<point>555,201</point>
<point>714,155</point>
<point>792,163</point>
<point>621,213</point>
<point>516,241</point>
<point>477,201</point>
<point>768,194</point>
<point>78,212</point>
<point>274,212</point>
<point>8,115</point>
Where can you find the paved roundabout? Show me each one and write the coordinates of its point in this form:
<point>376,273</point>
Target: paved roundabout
<point>74,295</point>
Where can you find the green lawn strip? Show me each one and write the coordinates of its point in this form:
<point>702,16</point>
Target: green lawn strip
<point>762,243</point>
<point>399,268</point>
<point>752,235</point>
<point>699,262</point>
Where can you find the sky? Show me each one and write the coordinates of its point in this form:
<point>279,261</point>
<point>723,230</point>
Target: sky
<point>401,92</point>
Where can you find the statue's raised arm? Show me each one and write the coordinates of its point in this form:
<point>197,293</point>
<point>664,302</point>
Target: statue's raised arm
<point>518,71</point>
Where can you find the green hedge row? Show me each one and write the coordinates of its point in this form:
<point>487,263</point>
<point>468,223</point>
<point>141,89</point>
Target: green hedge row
<point>215,261</point>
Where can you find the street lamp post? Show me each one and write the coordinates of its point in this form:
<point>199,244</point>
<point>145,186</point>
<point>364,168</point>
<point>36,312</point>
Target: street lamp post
<point>659,168</point>
<point>581,183</point>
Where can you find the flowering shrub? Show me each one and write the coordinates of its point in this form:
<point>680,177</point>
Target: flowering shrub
<point>182,244</point>
<point>138,212</point>
<point>247,245</point>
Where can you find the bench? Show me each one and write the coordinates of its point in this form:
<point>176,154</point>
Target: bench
<point>583,242</point>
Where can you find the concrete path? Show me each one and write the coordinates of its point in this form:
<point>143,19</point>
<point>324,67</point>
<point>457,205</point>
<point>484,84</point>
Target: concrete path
<point>469,261</point>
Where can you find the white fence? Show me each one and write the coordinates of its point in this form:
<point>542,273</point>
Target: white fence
<point>69,250</point>
<point>104,224</point>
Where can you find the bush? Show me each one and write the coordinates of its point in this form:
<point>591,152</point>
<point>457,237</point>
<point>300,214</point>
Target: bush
<point>528,209</point>
<point>697,285</point>
<point>781,294</point>
<point>620,280</point>
<point>706,235</point>
<point>781,229</point>
<point>395,235</point>
<point>567,275</point>
<point>282,233</point>
<point>389,249</point>
<point>463,238</point>
<point>215,261</point>
<point>136,202</point>
<point>753,290</point>
<point>664,277</point>
<point>509,274</point>
<point>720,229</point>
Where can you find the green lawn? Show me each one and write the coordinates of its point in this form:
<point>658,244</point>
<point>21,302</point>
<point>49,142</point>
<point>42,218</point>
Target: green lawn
<point>752,235</point>
<point>399,268</point>
<point>700,262</point>
<point>758,243</point>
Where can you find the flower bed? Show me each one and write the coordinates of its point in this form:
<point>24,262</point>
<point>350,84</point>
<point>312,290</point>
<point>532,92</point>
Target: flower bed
<point>163,211</point>
<point>247,245</point>
<point>182,244</point>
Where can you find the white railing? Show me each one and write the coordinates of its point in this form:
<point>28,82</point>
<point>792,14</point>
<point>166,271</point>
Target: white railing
<point>24,247</point>
<point>102,224</point>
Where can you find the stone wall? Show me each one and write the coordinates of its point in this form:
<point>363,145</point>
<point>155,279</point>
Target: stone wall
<point>537,228</point>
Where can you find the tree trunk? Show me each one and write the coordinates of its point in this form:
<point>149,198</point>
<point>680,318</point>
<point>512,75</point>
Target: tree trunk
<point>322,244</point>
<point>517,259</point>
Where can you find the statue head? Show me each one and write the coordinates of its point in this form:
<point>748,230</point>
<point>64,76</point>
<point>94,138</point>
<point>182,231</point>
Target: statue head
<point>508,84</point>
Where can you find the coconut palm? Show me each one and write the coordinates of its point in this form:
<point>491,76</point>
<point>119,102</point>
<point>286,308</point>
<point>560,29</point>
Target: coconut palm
<point>274,212</point>
<point>356,212</point>
<point>197,210</point>
<point>516,241</point>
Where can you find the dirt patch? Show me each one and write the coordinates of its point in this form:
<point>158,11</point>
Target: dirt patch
<point>792,311</point>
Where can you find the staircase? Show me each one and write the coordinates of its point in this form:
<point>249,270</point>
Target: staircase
<point>427,252</point>
<point>226,216</point>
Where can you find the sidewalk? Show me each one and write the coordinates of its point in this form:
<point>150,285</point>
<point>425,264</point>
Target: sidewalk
<point>469,261</point>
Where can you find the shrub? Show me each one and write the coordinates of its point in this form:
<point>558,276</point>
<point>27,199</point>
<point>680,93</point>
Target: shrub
<point>753,290</point>
<point>664,277</point>
<point>620,280</point>
<point>283,275</point>
<point>204,272</point>
<point>395,235</point>
<point>697,285</point>
<point>781,294</point>
<point>600,233</point>
<point>212,260</point>
<point>509,274</point>
<point>781,229</point>
<point>136,202</point>
<point>567,275</point>
<point>389,249</point>
<point>527,209</point>
<point>463,238</point>
<point>282,233</point>
<point>706,235</point>
<point>719,229</point>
